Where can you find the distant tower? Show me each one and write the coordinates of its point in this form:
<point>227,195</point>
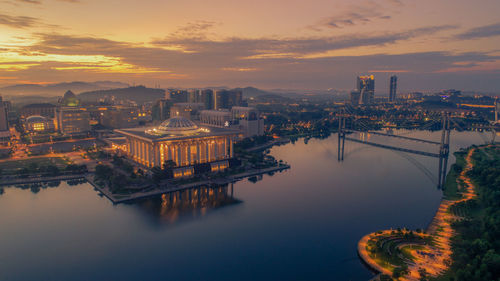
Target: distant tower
<point>4,123</point>
<point>366,88</point>
<point>497,106</point>
<point>393,88</point>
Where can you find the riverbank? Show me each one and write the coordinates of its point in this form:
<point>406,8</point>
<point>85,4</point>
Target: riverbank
<point>431,259</point>
<point>166,188</point>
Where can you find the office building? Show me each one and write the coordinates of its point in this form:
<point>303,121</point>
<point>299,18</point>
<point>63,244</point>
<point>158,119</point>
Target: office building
<point>366,88</point>
<point>393,88</point>
<point>72,120</point>
<point>120,117</point>
<point>4,118</point>
<point>226,99</point>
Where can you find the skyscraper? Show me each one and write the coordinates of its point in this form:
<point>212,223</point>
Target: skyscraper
<point>4,123</point>
<point>393,88</point>
<point>366,88</point>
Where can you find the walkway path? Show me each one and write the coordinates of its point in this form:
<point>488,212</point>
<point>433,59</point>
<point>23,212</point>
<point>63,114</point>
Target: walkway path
<point>436,258</point>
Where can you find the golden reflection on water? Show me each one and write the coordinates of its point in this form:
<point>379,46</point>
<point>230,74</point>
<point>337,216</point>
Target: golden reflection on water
<point>194,202</point>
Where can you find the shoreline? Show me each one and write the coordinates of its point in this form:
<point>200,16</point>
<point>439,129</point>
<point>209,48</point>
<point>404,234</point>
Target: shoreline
<point>439,229</point>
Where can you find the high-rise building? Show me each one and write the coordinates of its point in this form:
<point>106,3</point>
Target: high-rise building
<point>393,88</point>
<point>178,95</point>
<point>4,118</point>
<point>366,87</point>
<point>355,97</point>
<point>207,98</point>
<point>160,110</point>
<point>225,99</point>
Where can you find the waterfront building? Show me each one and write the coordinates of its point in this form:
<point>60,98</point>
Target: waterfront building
<point>393,88</point>
<point>248,120</point>
<point>38,124</point>
<point>366,87</point>
<point>40,109</point>
<point>72,120</point>
<point>182,141</point>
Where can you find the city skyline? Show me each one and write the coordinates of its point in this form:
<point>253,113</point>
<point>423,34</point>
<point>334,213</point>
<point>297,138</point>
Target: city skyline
<point>308,46</point>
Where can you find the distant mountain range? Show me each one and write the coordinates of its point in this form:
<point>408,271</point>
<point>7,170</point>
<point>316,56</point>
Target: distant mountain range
<point>60,88</point>
<point>94,91</point>
<point>139,94</point>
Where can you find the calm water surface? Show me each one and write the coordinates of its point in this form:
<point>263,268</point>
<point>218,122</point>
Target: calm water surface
<point>302,224</point>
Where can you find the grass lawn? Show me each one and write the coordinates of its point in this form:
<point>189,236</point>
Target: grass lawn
<point>15,165</point>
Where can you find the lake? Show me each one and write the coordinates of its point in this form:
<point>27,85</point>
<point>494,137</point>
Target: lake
<point>300,224</point>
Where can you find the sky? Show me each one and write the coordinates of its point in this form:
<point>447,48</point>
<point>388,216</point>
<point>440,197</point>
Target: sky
<point>270,44</point>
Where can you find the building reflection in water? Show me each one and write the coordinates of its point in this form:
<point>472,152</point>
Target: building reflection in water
<point>173,207</point>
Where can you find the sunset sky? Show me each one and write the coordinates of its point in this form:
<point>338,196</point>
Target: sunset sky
<point>294,44</point>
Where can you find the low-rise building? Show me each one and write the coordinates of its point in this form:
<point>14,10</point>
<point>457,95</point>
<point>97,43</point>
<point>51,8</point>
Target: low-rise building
<point>39,124</point>
<point>216,118</point>
<point>38,109</point>
<point>180,140</point>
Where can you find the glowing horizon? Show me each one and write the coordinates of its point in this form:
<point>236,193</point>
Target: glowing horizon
<point>268,44</point>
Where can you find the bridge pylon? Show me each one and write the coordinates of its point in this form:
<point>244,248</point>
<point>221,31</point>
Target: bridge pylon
<point>444,148</point>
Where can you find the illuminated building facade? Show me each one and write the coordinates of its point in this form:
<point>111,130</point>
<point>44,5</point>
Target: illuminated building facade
<point>180,140</point>
<point>39,124</point>
<point>366,88</point>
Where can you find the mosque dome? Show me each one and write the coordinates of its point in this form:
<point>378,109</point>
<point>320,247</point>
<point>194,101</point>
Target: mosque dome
<point>176,126</point>
<point>36,119</point>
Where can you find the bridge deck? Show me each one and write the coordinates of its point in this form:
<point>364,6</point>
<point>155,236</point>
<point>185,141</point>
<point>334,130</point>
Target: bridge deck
<point>396,136</point>
<point>430,154</point>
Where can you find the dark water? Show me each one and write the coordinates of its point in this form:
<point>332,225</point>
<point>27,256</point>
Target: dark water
<point>302,224</point>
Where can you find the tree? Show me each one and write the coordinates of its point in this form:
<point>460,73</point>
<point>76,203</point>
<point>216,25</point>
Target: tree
<point>103,172</point>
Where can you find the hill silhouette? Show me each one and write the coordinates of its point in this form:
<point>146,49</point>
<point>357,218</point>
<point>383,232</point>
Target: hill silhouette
<point>139,94</point>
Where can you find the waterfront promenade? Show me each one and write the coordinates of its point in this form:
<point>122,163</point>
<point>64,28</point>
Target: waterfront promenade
<point>28,180</point>
<point>435,258</point>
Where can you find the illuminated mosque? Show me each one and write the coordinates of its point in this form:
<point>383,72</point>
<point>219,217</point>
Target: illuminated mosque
<point>182,141</point>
